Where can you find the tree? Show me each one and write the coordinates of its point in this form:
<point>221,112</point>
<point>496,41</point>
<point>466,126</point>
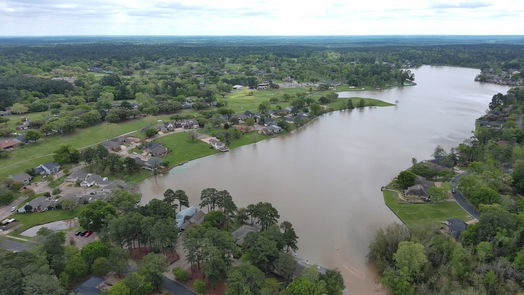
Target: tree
<point>260,250</point>
<point>40,284</point>
<point>53,247</point>
<point>215,219</point>
<point>266,214</point>
<point>199,286</point>
<point>150,132</point>
<point>94,250</point>
<point>152,268</point>
<point>11,281</point>
<point>95,215</point>
<point>215,266</point>
<point>33,135</point>
<point>119,288</point>
<point>181,274</point>
<point>66,154</point>
<point>289,236</point>
<point>406,179</point>
<point>285,266</point>
<point>334,282</point>
<point>118,260</point>
<point>410,258</point>
<point>182,198</point>
<point>138,284</point>
<point>19,108</point>
<point>208,198</point>
<point>123,200</point>
<point>361,103</point>
<point>518,175</point>
<point>316,109</point>
<point>131,165</point>
<point>101,266</point>
<point>350,104</point>
<point>75,268</point>
<point>305,286</point>
<point>244,279</point>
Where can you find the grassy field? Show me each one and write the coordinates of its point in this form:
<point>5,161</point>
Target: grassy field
<point>15,120</point>
<point>424,214</point>
<point>32,155</point>
<point>342,103</point>
<point>182,149</point>
<point>29,220</point>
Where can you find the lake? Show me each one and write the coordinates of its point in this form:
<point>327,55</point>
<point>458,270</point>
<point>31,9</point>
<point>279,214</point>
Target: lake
<point>325,178</point>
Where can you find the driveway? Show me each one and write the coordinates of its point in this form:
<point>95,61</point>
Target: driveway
<point>175,287</point>
<point>461,200</point>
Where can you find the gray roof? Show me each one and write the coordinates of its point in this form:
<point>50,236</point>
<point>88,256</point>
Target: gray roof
<point>22,177</point>
<point>116,184</point>
<point>417,190</point>
<point>76,175</point>
<point>240,234</point>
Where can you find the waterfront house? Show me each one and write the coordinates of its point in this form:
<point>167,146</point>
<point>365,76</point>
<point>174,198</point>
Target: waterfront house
<point>417,191</point>
<point>155,149</point>
<point>22,177</point>
<point>47,168</point>
<point>240,234</point>
<point>218,145</point>
<point>93,180</point>
<point>154,163</point>
<point>38,204</point>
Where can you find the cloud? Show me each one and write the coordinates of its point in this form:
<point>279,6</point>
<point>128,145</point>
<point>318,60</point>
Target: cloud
<point>461,5</point>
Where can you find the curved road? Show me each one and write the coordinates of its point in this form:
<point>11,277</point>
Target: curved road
<point>459,197</point>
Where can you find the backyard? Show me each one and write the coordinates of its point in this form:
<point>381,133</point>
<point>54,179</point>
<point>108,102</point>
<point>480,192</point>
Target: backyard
<point>424,214</point>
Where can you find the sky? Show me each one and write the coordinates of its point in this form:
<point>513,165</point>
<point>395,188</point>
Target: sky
<point>260,17</point>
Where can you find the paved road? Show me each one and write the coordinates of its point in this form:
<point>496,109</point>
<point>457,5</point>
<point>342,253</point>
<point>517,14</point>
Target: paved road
<point>6,210</point>
<point>461,200</point>
<point>15,246</point>
<point>175,287</point>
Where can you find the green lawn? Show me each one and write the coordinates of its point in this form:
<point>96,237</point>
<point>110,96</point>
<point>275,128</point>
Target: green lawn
<point>183,150</point>
<point>32,155</point>
<point>15,120</point>
<point>424,214</point>
<point>29,220</point>
<point>342,103</point>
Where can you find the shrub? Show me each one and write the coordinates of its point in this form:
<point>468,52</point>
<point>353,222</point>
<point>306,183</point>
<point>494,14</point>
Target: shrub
<point>180,274</point>
<point>200,286</point>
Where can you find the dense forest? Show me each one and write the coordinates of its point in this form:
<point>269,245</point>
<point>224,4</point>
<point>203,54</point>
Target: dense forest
<point>488,257</point>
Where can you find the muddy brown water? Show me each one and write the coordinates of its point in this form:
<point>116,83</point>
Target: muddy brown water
<point>325,178</point>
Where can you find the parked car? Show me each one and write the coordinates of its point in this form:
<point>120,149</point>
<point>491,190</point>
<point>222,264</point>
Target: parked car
<point>78,233</point>
<point>88,234</point>
<point>13,209</point>
<point>83,233</point>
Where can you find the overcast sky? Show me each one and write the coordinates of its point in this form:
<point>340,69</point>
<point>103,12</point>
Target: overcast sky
<point>260,17</point>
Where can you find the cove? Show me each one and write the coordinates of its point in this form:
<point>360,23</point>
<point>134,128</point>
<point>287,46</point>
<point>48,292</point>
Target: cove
<point>325,178</point>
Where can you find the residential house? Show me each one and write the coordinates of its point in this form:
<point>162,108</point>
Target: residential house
<point>454,227</point>
<point>237,87</point>
<point>22,177</point>
<point>111,146</point>
<point>417,191</point>
<point>94,180</point>
<point>263,86</point>
<point>9,144</point>
<point>39,204</point>
<point>154,163</point>
<point>270,130</point>
<point>47,168</point>
<point>240,234</point>
<point>187,105</point>
<point>218,145</point>
<point>243,128</point>
<point>25,125</point>
<point>184,215</point>
<point>5,113</point>
<point>155,149</point>
<point>78,175</point>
